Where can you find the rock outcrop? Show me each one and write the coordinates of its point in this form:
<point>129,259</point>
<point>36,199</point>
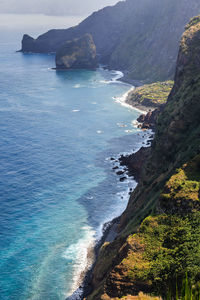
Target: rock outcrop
<point>135,162</point>
<point>78,53</point>
<point>138,36</point>
<point>147,255</point>
<point>149,120</point>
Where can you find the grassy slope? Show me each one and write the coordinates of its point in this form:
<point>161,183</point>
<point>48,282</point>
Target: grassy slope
<point>151,95</point>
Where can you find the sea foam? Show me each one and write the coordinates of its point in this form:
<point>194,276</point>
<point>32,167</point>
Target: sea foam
<point>122,100</point>
<point>82,256</point>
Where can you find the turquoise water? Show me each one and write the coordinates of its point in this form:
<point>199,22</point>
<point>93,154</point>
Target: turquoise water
<point>57,186</point>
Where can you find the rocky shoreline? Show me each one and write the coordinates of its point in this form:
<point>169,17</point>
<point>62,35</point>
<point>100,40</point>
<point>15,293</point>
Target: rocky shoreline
<point>109,233</point>
<point>126,167</point>
<point>131,164</point>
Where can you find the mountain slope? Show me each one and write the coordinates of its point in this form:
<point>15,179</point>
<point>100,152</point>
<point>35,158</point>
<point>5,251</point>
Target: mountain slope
<point>157,250</point>
<point>139,36</point>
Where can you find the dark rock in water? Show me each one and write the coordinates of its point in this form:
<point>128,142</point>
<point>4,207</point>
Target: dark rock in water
<point>115,168</point>
<point>120,173</point>
<point>123,179</point>
<point>141,118</point>
<point>78,53</point>
<point>112,158</point>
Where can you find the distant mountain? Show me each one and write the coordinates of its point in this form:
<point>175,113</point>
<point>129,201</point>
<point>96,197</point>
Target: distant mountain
<point>54,7</point>
<point>139,36</point>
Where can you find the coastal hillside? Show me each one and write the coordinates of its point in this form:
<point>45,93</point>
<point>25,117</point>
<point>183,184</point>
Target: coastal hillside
<point>157,250</point>
<point>139,37</point>
<point>150,95</point>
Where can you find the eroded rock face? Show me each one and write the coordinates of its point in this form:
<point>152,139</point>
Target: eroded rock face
<point>78,53</point>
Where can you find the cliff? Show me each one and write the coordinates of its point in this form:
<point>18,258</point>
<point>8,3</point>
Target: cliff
<point>78,53</point>
<point>140,37</point>
<point>157,250</point>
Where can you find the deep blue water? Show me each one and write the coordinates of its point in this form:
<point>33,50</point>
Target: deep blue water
<point>57,186</point>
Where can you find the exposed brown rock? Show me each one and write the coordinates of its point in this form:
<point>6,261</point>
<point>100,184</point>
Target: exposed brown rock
<point>149,120</point>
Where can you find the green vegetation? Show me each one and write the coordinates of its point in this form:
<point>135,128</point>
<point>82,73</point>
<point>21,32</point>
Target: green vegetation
<point>193,22</point>
<point>151,95</point>
<point>141,296</point>
<point>183,189</point>
<point>171,249</point>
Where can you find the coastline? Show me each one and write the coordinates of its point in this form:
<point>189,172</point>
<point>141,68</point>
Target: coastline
<point>128,80</point>
<point>110,228</point>
<point>124,99</point>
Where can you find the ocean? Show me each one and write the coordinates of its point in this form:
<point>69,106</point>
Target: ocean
<point>57,183</point>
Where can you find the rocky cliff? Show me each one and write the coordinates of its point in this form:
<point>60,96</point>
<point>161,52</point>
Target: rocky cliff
<point>78,53</point>
<point>139,36</point>
<point>157,250</point>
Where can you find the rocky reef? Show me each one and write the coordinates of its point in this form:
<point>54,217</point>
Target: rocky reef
<point>139,37</point>
<point>157,249</point>
<point>78,53</point>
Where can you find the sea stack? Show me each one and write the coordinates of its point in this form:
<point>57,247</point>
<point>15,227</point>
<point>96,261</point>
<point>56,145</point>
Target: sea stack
<point>79,53</point>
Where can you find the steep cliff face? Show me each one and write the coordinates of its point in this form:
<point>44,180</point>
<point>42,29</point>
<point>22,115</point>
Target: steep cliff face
<point>77,54</point>
<point>177,132</point>
<point>158,244</point>
<point>139,36</point>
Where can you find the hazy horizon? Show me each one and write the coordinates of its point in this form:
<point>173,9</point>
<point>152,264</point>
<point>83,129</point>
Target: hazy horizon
<point>53,7</point>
